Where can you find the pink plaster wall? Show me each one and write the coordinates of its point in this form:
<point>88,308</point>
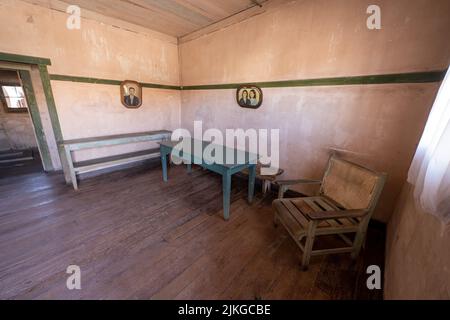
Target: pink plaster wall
<point>417,253</point>
<point>18,130</point>
<point>321,38</point>
<point>376,125</point>
<point>99,112</point>
<point>97,50</point>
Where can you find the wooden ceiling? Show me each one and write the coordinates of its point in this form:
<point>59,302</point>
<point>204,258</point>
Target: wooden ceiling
<point>173,17</point>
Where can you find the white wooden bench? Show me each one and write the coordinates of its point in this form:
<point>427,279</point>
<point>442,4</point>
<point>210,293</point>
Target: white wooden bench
<point>72,169</point>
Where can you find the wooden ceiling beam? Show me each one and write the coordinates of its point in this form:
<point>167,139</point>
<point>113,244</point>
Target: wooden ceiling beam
<point>236,18</point>
<point>257,3</point>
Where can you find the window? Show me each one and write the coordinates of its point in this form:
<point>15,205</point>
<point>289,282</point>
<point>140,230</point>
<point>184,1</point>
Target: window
<point>14,99</point>
<point>430,169</point>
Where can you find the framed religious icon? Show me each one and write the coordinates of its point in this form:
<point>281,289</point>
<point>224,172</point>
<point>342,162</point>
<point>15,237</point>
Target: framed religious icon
<point>131,94</point>
<point>249,96</point>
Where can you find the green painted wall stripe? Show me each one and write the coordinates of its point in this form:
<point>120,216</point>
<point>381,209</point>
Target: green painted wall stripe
<point>59,77</point>
<point>160,86</point>
<point>415,77</point>
<point>24,59</point>
<point>36,117</point>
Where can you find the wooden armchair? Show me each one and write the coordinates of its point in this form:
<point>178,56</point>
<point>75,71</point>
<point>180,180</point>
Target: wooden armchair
<point>345,203</point>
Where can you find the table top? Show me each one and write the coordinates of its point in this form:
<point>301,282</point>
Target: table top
<point>199,151</point>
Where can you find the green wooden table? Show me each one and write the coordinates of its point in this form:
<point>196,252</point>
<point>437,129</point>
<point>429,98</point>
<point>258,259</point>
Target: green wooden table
<point>193,153</point>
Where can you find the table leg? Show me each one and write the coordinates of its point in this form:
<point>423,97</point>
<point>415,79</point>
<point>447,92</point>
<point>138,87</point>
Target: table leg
<point>189,168</point>
<point>251,182</point>
<point>164,164</point>
<point>226,189</point>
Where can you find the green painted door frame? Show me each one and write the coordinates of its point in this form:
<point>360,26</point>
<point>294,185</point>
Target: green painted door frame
<point>51,105</point>
<point>30,96</point>
<point>41,64</point>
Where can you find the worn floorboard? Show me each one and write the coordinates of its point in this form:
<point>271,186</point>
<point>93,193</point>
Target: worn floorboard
<point>136,237</point>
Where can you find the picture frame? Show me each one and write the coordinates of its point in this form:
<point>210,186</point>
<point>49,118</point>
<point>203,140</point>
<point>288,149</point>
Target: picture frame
<point>131,94</point>
<point>249,96</point>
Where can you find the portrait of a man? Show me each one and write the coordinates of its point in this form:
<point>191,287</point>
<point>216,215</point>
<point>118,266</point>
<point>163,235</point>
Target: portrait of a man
<point>131,92</point>
<point>249,97</point>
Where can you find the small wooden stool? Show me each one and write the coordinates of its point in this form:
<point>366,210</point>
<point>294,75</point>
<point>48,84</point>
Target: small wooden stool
<point>266,179</point>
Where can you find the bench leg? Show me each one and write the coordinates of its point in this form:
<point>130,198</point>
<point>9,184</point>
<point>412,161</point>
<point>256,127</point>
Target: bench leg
<point>64,164</point>
<point>73,176</point>
<point>74,180</point>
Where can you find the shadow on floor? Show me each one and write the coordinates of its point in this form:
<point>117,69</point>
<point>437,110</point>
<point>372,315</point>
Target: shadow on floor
<point>19,162</point>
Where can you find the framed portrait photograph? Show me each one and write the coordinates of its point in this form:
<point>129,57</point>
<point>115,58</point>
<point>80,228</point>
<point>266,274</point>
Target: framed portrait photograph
<point>131,94</point>
<point>249,96</point>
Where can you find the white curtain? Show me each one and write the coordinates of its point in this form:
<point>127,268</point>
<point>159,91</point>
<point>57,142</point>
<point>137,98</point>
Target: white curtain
<point>430,169</point>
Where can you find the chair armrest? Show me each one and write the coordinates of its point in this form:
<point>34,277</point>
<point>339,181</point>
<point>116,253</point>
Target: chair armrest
<point>325,215</point>
<point>297,181</point>
<point>285,184</point>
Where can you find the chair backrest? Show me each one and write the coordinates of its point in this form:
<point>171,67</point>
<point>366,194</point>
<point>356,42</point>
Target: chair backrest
<point>351,185</point>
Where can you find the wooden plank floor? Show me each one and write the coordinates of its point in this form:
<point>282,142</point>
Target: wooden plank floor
<point>135,237</point>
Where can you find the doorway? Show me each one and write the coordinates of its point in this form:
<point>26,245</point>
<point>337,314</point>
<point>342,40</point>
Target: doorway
<point>37,89</point>
<point>19,151</point>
